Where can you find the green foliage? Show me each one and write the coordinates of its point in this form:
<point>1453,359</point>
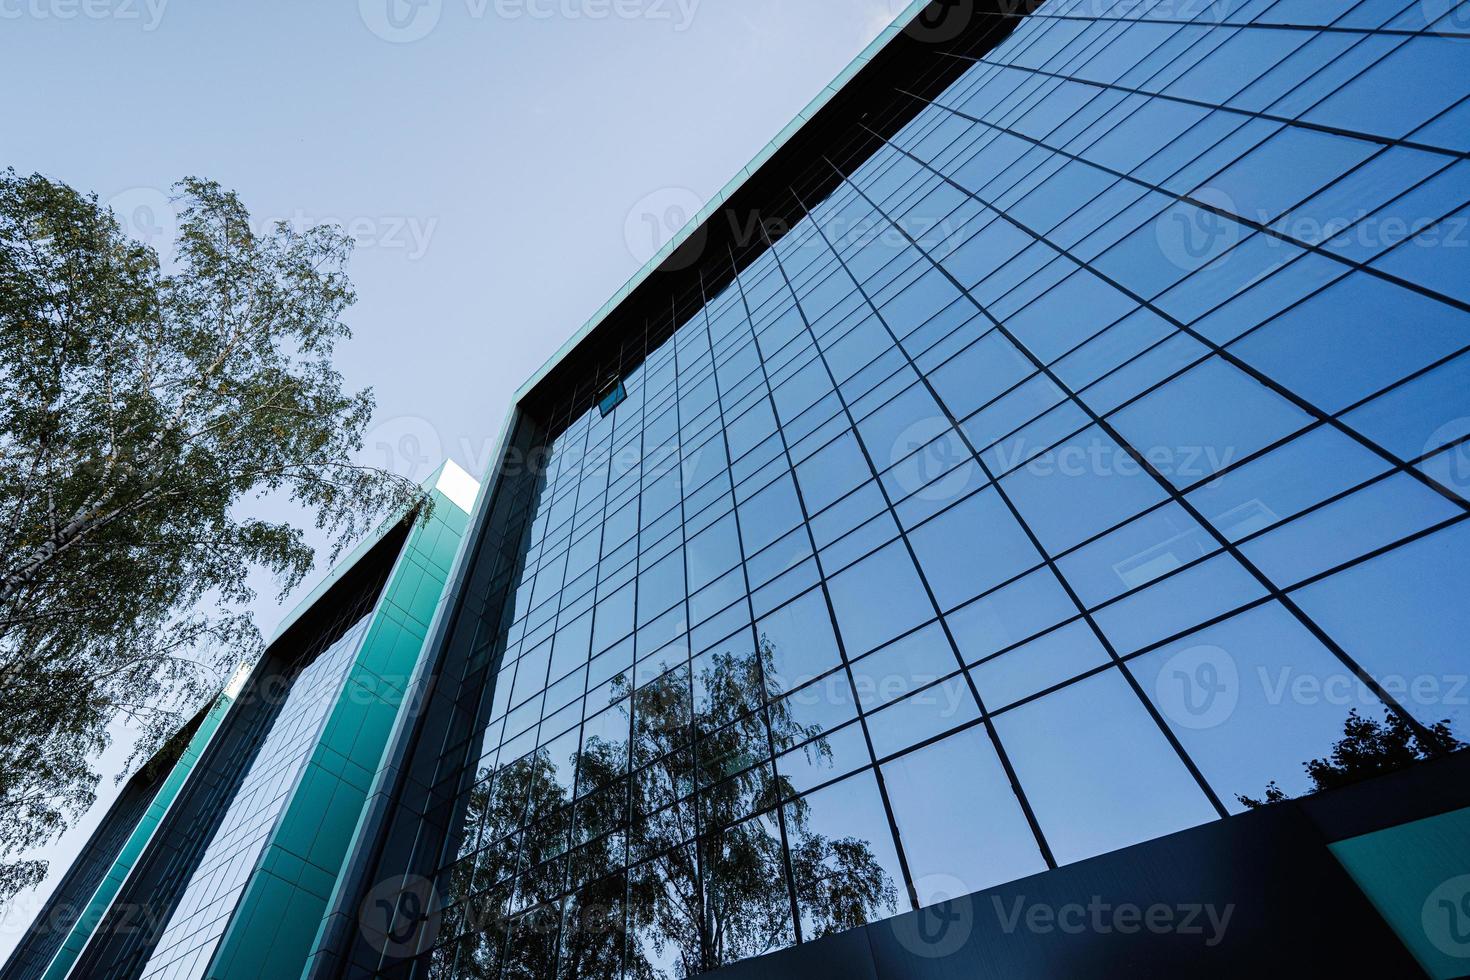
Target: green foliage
<point>138,409</point>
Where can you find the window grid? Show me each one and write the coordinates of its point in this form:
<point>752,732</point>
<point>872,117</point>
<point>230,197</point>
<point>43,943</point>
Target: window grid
<point>752,343</point>
<point>212,895</point>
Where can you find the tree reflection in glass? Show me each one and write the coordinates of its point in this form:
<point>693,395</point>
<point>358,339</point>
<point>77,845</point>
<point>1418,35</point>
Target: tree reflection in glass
<point>677,868</point>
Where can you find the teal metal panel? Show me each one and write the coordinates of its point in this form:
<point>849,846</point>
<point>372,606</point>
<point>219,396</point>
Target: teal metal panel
<point>1418,877</point>
<point>271,932</point>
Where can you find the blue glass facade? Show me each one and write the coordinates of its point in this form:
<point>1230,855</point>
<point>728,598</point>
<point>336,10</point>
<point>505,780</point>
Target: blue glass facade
<point>188,942</point>
<point>1070,473</point>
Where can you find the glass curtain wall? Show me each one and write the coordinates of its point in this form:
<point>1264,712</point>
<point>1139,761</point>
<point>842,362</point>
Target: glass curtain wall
<point>213,892</point>
<point>1072,473</point>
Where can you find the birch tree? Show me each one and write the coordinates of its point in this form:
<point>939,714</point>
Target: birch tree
<point>139,407</point>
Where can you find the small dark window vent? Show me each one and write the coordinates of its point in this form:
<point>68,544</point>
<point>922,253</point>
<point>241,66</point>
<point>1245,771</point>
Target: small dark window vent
<point>611,396</point>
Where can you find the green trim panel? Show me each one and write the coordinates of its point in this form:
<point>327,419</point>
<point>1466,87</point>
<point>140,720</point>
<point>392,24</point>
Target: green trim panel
<point>137,842</point>
<point>1418,877</point>
<point>271,932</point>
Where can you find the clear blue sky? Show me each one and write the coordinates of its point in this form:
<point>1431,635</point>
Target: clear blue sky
<point>503,164</point>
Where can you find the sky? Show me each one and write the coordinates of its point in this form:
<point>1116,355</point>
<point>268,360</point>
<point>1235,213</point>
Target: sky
<point>504,165</point>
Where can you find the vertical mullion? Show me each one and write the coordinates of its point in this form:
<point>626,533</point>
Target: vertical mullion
<point>745,576</point>
<point>1042,845</point>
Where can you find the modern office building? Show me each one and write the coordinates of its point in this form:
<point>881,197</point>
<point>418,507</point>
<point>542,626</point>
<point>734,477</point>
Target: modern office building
<point>219,857</point>
<point>98,870</point>
<point>1018,529</point>
<point>930,564</point>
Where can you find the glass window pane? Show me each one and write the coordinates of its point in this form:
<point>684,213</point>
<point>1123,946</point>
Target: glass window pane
<point>879,598</point>
<point>832,472</point>
<point>1044,662</point>
<point>971,548</point>
<point>980,373</point>
<point>1424,414</point>
<point>1286,169</point>
<point>921,716</point>
<point>1252,700</point>
<point>712,552</point>
<point>1435,257</point>
<point>1450,469</point>
<point>1372,517</point>
<point>592,936</point>
<point>822,760</point>
<point>894,424</point>
<point>726,681</point>
<point>1204,420</point>
<point>1084,486</point>
<point>769,514</point>
<point>1139,552</point>
<point>1286,481</point>
<point>1097,771</point>
<point>903,666</point>
<point>1404,618</point>
<point>747,907</point>
<point>1354,339</point>
<point>531,673</point>
<point>1177,603</point>
<point>959,819</point>
<point>531,950</point>
<point>614,619</point>
<point>1068,314</point>
<point>1401,92</point>
<point>660,586</point>
<point>843,860</point>
<point>604,753</point>
<point>797,642</point>
<point>662,907</point>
